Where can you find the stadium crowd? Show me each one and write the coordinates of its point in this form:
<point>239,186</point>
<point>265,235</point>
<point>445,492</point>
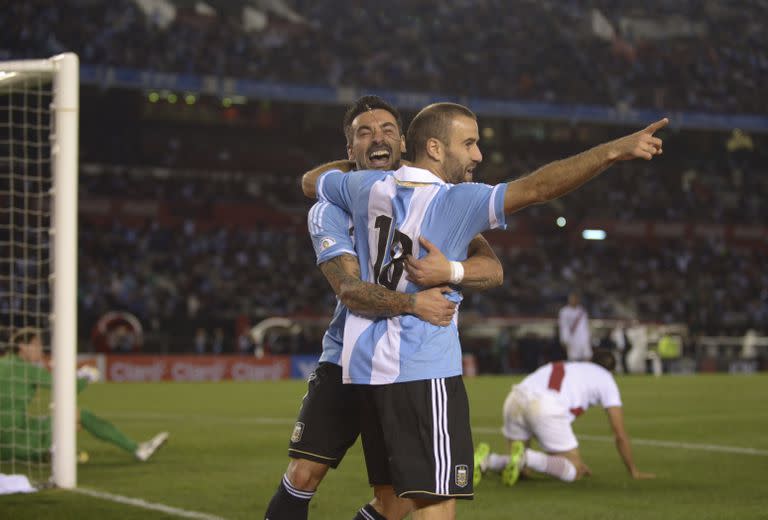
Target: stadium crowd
<point>190,274</point>
<point>182,279</point>
<point>719,189</point>
<point>190,271</point>
<point>668,55</point>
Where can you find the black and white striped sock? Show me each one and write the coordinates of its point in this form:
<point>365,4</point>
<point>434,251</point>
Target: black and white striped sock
<point>288,502</point>
<point>368,513</point>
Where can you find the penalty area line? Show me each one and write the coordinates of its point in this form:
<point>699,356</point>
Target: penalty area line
<point>138,502</point>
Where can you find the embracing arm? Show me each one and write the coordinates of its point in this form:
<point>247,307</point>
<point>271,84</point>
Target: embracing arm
<point>560,177</point>
<point>482,269</point>
<point>309,179</point>
<point>623,446</point>
<point>374,301</point>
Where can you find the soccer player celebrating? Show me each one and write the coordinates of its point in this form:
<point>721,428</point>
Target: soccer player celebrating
<point>329,419</point>
<point>544,405</point>
<point>29,438</point>
<point>411,369</point>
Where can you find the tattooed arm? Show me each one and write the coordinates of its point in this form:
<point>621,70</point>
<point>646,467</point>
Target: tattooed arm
<point>309,179</point>
<point>374,301</point>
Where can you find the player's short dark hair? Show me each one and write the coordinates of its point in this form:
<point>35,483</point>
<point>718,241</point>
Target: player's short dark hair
<point>364,104</point>
<point>433,121</point>
<point>605,359</point>
<point>23,336</point>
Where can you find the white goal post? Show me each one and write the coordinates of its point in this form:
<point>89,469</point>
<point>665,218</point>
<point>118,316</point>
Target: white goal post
<point>20,87</point>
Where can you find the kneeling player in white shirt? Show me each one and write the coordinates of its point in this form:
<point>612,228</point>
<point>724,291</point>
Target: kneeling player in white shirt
<point>543,406</point>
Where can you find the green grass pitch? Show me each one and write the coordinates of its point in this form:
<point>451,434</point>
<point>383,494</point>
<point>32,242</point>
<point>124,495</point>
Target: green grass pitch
<point>228,443</point>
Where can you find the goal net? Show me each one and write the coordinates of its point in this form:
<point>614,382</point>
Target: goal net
<point>39,109</point>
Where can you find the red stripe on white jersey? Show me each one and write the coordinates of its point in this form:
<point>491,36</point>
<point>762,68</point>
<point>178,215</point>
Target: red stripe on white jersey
<point>556,377</point>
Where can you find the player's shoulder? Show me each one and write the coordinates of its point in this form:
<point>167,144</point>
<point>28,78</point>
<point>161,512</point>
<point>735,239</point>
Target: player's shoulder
<point>375,173</point>
<point>324,207</point>
<point>364,179</point>
<point>464,192</point>
<point>596,373</point>
<point>323,214</point>
<point>368,175</point>
<point>465,187</point>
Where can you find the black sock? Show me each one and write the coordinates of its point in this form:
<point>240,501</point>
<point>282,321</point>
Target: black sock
<point>288,503</point>
<point>369,513</point>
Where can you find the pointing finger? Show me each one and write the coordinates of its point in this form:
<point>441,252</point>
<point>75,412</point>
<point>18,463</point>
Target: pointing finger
<point>658,125</point>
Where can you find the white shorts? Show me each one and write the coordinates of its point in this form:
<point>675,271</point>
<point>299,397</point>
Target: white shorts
<point>538,414</point>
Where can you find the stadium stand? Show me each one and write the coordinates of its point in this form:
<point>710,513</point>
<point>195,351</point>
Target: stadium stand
<point>191,216</point>
<point>598,52</point>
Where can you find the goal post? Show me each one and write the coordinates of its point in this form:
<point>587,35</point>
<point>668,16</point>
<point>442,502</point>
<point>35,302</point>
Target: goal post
<point>39,112</point>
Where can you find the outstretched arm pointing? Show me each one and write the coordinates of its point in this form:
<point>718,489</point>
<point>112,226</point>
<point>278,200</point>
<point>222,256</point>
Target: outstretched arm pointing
<point>560,177</point>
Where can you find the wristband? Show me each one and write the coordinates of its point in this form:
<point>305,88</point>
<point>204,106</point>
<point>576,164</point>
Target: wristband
<point>457,272</point>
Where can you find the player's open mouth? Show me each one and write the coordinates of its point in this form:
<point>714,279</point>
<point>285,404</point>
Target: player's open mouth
<point>379,158</point>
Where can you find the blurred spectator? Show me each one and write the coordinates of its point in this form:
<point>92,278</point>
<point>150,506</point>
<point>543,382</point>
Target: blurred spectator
<point>217,343</point>
<point>574,329</point>
<point>620,340</point>
<point>201,341</point>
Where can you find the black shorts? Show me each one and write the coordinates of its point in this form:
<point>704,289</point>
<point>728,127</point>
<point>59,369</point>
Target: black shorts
<point>329,418</point>
<point>423,428</point>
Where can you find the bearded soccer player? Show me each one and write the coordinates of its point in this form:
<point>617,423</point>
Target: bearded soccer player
<point>26,437</point>
<point>412,369</point>
<point>329,419</point>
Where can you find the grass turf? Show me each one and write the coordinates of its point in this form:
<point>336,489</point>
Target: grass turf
<point>227,453</point>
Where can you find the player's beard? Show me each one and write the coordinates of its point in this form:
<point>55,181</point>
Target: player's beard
<point>456,172</point>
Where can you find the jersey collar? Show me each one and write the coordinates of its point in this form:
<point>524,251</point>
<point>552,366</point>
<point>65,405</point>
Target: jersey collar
<point>418,175</point>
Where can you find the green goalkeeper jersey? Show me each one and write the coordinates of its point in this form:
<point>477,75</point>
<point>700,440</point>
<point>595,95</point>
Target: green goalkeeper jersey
<point>25,422</point>
<point>20,384</point>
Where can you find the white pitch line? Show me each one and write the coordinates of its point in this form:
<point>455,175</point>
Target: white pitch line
<point>137,502</point>
<point>664,444</point>
<point>684,445</point>
<point>600,438</point>
<point>170,417</point>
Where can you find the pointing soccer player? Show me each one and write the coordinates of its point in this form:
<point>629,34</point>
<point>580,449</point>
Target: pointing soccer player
<point>411,369</point>
<point>329,419</point>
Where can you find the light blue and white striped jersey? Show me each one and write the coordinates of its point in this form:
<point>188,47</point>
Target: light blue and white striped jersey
<point>390,211</point>
<point>330,229</point>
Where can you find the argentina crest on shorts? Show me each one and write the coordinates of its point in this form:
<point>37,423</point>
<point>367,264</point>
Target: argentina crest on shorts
<point>462,475</point>
<point>298,430</point>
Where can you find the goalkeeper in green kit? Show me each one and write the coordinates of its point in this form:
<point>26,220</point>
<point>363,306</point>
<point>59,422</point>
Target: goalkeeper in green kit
<point>25,436</point>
